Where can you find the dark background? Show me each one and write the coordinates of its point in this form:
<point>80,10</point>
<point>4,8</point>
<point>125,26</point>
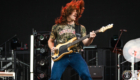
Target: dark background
<point>20,17</point>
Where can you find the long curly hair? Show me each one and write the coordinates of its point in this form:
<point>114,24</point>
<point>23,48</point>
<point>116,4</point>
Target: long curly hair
<point>77,5</point>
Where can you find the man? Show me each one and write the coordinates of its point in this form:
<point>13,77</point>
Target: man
<point>63,31</point>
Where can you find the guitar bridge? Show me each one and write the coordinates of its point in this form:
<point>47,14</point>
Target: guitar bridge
<point>55,57</point>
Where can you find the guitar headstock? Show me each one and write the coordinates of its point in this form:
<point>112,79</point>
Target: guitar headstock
<point>104,28</point>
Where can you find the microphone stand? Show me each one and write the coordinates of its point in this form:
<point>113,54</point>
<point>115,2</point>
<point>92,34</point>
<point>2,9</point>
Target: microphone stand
<point>118,55</point>
<point>117,41</point>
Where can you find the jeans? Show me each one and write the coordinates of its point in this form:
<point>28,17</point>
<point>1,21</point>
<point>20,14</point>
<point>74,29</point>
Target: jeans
<point>74,60</point>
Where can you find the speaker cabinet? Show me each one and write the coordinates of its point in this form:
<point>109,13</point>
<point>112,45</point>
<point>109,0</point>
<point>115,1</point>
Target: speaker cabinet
<point>96,72</point>
<point>103,56</point>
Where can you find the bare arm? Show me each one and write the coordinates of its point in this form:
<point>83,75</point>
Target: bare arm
<point>51,43</point>
<point>89,40</point>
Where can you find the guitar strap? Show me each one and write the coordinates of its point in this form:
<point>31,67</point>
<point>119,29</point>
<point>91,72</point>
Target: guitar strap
<point>78,34</point>
<point>78,31</point>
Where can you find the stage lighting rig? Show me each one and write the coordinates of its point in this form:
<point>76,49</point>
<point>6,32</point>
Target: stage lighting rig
<point>41,40</point>
<point>42,51</point>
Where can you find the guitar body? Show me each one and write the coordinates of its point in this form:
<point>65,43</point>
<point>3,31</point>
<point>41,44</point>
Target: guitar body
<point>63,50</point>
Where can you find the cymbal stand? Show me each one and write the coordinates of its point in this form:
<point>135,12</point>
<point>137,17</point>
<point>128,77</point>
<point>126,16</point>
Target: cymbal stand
<point>118,67</point>
<point>132,67</point>
<point>125,61</point>
<point>118,55</point>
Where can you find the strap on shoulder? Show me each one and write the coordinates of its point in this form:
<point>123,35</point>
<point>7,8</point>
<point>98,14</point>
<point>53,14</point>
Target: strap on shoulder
<point>78,31</point>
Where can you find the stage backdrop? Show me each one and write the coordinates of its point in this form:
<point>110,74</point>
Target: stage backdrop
<point>20,17</point>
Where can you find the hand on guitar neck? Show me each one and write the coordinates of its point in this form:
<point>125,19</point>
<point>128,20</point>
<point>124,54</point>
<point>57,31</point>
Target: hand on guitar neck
<point>92,35</point>
<point>89,40</point>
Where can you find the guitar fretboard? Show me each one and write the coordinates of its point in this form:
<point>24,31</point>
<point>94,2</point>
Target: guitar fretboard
<point>70,44</point>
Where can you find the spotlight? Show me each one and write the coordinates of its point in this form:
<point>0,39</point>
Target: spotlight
<point>43,62</point>
<point>42,75</point>
<point>42,50</point>
<point>41,37</point>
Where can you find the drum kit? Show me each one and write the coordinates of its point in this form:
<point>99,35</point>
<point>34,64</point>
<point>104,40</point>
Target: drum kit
<point>131,52</point>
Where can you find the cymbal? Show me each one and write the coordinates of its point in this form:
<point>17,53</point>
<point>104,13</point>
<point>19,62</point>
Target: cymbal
<point>131,50</point>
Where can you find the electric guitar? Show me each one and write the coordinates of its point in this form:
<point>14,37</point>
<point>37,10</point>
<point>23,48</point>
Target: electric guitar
<point>64,49</point>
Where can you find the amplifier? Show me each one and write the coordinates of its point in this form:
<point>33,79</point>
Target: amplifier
<point>96,72</point>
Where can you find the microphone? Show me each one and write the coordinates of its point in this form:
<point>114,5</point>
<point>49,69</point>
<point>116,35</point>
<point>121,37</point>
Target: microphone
<point>123,30</point>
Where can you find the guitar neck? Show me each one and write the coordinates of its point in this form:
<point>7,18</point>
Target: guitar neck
<point>79,40</point>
